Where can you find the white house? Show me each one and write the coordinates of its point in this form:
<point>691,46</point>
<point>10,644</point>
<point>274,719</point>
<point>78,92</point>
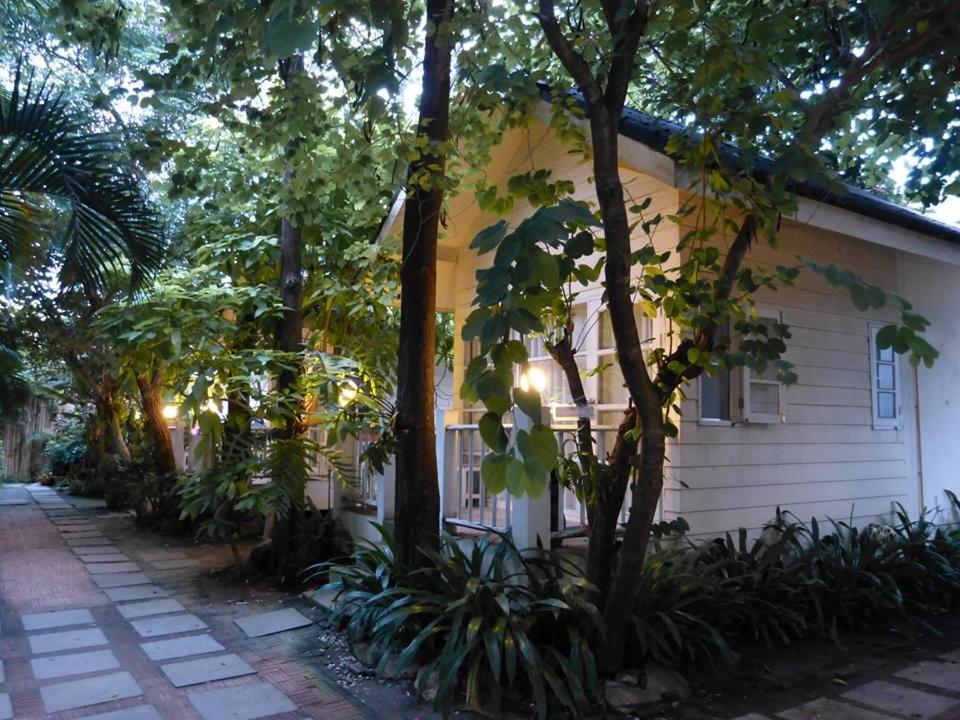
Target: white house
<point>861,431</point>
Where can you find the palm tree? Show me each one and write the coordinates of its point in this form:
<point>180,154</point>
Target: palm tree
<point>65,197</point>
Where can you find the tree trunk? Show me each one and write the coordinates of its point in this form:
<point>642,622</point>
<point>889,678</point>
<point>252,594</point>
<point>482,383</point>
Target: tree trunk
<point>289,341</point>
<point>417,511</point>
<point>113,442</point>
<point>155,425</point>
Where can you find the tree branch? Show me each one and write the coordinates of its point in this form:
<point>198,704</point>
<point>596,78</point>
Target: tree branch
<point>572,60</point>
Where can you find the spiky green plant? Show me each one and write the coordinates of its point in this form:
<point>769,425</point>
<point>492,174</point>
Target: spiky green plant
<point>65,195</point>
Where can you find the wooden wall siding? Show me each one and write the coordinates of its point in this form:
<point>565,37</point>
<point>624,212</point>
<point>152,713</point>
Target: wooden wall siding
<point>826,460</point>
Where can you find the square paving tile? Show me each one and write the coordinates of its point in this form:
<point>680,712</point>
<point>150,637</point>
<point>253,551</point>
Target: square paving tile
<point>244,702</point>
<point>66,640</point>
<point>140,712</point>
<point>937,674</point>
<point>89,691</point>
<point>272,622</point>
<point>167,625</point>
<point>104,557</point>
<point>6,707</point>
<point>825,709</point>
<point>68,521</point>
<point>3,674</point>
<point>56,666</point>
<point>150,607</point>
<point>135,592</point>
<point>113,580</point>
<point>13,502</point>
<point>752,716</point>
<point>62,618</point>
<point>181,647</point>
<point>95,549</point>
<point>77,529</point>
<point>175,564</point>
<point>899,699</point>
<point>79,542</point>
<point>112,567</point>
<point>207,669</point>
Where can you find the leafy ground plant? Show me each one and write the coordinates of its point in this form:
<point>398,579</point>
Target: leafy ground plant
<point>492,624</point>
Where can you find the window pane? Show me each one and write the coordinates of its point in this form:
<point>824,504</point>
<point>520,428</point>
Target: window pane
<point>610,381</point>
<point>764,398</point>
<point>885,379</point>
<point>606,328</point>
<point>715,395</point>
<point>885,355</point>
<point>769,373</point>
<point>886,405</point>
<point>606,331</point>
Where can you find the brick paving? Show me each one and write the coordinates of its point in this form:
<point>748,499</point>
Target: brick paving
<point>94,620</point>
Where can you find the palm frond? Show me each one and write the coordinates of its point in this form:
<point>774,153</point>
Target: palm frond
<point>48,156</point>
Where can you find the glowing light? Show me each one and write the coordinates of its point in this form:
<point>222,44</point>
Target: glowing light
<point>170,412</point>
<point>533,378</point>
<point>213,406</point>
<point>348,393</point>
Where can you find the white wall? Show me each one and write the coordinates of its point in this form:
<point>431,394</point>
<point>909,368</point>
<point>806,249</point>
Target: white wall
<point>934,289</point>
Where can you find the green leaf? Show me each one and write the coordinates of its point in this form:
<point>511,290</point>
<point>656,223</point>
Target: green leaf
<point>885,336</point>
<point>492,432</point>
<point>284,35</point>
<point>493,471</point>
<point>529,403</point>
<point>516,476</point>
<point>543,442</point>
<point>488,238</point>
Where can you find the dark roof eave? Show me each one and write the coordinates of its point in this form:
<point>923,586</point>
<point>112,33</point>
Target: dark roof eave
<point>654,133</point>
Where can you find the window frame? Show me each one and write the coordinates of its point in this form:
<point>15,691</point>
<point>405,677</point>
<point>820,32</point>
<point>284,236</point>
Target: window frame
<point>747,379</point>
<point>879,423</point>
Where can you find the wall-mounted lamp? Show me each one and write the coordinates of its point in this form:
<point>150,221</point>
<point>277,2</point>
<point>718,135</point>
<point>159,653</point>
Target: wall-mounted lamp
<point>533,379</point>
<point>170,412</point>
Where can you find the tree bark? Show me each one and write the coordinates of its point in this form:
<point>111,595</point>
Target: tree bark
<point>161,444</point>
<point>289,341</point>
<point>417,511</point>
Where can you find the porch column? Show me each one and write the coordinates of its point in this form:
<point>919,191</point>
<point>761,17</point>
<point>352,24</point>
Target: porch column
<point>446,464</point>
<point>176,439</point>
<point>531,516</point>
<point>386,496</point>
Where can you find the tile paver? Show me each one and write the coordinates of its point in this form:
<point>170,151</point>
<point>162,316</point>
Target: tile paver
<point>6,708</point>
<point>167,625</point>
<point>150,607</point>
<point>104,558</point>
<point>888,697</point>
<point>67,640</point>
<point>63,618</point>
<point>89,691</point>
<point>206,669</point>
<point>104,568</point>
<point>244,702</point>
<point>135,592</point>
<point>826,709</point>
<point>55,666</point>
<point>938,674</point>
<point>151,555</point>
<point>80,542</point>
<point>112,580</point>
<point>94,549</point>
<point>181,647</point>
<point>272,622</point>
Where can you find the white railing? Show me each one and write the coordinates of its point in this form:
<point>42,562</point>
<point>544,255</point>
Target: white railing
<point>471,506</point>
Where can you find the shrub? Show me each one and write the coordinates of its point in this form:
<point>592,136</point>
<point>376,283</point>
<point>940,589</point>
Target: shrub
<point>492,622</point>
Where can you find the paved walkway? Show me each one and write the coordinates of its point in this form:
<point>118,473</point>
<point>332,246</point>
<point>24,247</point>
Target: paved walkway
<point>93,628</point>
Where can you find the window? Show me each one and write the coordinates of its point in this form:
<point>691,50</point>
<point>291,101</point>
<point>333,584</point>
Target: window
<point>611,389</point>
<point>715,396</point>
<point>556,389</point>
<point>884,383</point>
<point>763,399</point>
